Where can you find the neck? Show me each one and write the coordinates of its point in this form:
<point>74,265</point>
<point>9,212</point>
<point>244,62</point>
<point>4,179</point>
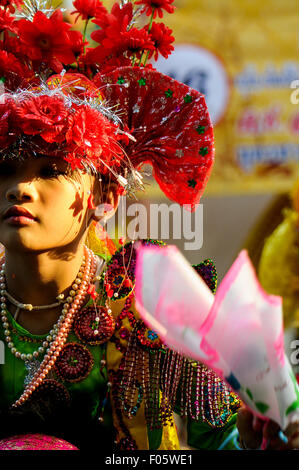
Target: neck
<point>38,278</point>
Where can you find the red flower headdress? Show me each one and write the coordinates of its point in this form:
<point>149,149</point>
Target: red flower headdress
<point>101,108</point>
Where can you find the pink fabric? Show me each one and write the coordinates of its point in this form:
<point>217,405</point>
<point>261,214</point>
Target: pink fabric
<point>238,333</point>
<point>279,347</point>
<point>139,273</point>
<point>35,442</point>
<point>154,258</point>
<point>226,285</point>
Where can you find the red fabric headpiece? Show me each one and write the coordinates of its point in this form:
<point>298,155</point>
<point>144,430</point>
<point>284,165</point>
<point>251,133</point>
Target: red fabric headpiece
<point>171,125</point>
<point>102,112</point>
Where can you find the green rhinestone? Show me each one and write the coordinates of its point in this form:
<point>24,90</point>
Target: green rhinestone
<point>168,93</point>
<point>200,129</point>
<point>120,80</point>
<point>203,151</point>
<point>142,81</point>
<point>188,99</point>
<point>2,79</point>
<point>192,183</point>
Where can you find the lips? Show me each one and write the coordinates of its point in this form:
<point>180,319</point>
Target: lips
<point>16,211</point>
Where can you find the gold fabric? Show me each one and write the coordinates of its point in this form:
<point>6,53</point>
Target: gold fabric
<point>279,267</point>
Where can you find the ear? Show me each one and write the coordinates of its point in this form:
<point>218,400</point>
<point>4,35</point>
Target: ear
<point>106,199</point>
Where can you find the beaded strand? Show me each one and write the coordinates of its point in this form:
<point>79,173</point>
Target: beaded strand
<point>74,305</point>
<point>53,332</point>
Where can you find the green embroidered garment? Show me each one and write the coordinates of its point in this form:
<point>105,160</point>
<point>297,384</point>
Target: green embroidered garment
<point>94,404</point>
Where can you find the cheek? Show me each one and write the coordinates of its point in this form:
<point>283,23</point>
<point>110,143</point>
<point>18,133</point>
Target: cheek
<point>77,206</point>
<point>70,205</point>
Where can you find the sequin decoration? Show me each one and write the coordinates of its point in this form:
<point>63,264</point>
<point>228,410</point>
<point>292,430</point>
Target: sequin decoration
<point>122,333</point>
<point>132,411</point>
<point>35,442</point>
<point>204,151</point>
<point>120,81</point>
<point>234,402</point>
<point>188,99</point>
<point>119,278</point>
<point>200,129</point>
<point>192,183</point>
<point>142,82</point>
<point>205,396</point>
<point>50,398</point>
<point>32,367</point>
<point>74,362</point>
<point>148,338</point>
<point>168,93</point>
<point>126,444</point>
<point>215,399</point>
<point>179,153</point>
<point>94,325</point>
<point>208,272</point>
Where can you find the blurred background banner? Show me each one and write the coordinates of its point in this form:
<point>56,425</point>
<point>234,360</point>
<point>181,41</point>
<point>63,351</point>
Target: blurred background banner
<point>243,55</point>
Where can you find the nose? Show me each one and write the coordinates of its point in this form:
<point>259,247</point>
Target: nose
<point>21,192</point>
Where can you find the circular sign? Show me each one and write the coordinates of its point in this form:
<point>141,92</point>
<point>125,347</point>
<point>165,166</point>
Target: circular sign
<point>202,70</point>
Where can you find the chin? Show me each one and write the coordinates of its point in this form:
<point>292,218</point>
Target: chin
<point>18,242</point>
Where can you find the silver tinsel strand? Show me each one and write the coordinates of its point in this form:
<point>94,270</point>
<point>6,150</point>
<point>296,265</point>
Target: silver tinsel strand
<point>30,7</point>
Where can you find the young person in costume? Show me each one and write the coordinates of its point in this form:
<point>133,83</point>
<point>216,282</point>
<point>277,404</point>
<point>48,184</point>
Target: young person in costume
<point>76,125</point>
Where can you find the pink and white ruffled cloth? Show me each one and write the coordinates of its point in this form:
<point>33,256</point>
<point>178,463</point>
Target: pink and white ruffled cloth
<point>238,332</point>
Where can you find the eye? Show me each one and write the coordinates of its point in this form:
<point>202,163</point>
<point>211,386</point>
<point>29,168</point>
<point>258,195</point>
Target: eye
<point>7,169</point>
<point>50,171</point>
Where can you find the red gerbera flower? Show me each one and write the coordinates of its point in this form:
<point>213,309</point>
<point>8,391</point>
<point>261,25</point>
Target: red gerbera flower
<point>88,9</point>
<point>156,6</point>
<point>162,38</point>
<point>47,39</point>
<point>118,19</point>
<point>76,39</point>
<point>110,64</point>
<point>132,42</point>
<point>90,132</point>
<point>74,160</point>
<point>8,4</point>
<point>8,128</point>
<point>44,115</point>
<point>6,21</point>
<point>12,44</point>
<point>14,72</point>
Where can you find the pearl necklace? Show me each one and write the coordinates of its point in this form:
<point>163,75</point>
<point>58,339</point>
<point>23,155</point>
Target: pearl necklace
<point>30,307</point>
<point>21,306</point>
<point>70,308</point>
<point>53,332</point>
